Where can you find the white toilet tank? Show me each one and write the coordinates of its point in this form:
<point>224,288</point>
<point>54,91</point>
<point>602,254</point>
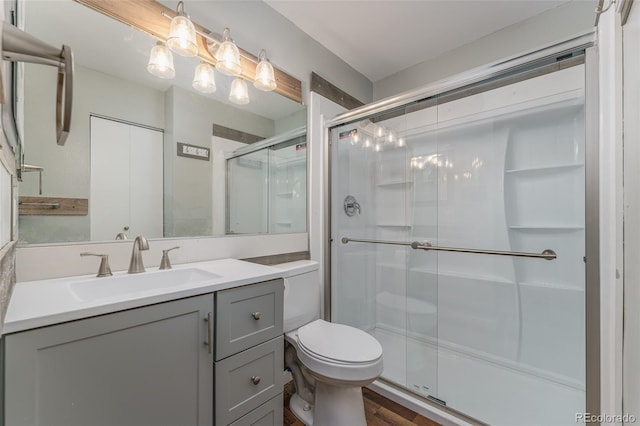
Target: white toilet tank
<point>301,293</point>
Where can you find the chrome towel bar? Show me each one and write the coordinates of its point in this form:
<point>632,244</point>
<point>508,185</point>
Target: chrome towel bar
<point>546,254</point>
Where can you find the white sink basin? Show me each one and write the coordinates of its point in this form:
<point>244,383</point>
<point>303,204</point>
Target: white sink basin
<point>102,288</point>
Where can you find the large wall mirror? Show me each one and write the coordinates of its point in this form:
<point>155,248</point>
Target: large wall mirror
<point>120,174</point>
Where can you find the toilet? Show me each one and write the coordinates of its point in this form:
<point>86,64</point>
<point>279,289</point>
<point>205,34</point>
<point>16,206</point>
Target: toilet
<point>329,362</point>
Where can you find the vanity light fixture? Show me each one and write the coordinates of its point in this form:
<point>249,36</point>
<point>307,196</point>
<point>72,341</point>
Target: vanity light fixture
<point>204,79</point>
<point>265,77</point>
<point>239,93</point>
<point>161,62</point>
<point>182,40</point>
<point>182,34</point>
<point>228,56</point>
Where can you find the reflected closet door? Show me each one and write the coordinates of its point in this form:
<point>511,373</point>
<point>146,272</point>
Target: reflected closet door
<point>126,180</point>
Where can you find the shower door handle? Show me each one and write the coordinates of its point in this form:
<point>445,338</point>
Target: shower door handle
<point>546,254</point>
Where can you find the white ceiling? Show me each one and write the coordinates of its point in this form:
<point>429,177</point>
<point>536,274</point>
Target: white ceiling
<point>380,38</point>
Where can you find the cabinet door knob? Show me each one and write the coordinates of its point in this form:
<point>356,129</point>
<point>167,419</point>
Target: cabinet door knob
<point>255,380</point>
<point>256,315</point>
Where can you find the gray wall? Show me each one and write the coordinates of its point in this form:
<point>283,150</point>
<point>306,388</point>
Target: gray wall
<point>554,25</point>
<point>66,172</point>
<point>188,190</point>
<point>291,122</point>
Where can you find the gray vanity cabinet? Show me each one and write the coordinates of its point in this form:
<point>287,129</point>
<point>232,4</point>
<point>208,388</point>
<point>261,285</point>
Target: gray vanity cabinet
<point>146,366</point>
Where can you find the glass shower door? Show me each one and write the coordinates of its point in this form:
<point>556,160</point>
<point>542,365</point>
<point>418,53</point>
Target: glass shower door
<point>510,178</point>
<point>373,192</point>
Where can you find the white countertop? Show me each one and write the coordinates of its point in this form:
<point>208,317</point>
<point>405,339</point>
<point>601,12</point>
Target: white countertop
<point>47,302</point>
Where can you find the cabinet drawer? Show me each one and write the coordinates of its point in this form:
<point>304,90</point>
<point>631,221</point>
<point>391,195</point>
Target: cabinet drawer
<point>247,316</point>
<point>248,380</point>
<point>268,414</point>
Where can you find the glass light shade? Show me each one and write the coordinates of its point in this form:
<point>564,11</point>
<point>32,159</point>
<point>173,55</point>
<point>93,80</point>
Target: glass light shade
<point>204,79</point>
<point>239,93</point>
<point>265,78</point>
<point>228,56</point>
<point>161,62</point>
<point>182,36</point>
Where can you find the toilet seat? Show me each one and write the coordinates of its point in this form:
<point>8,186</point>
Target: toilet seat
<point>338,343</point>
<point>331,352</point>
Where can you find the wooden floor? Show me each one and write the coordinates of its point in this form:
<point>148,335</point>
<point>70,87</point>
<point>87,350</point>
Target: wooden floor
<point>379,411</point>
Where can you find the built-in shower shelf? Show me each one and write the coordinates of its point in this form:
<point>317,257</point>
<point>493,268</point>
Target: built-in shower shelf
<point>391,265</point>
<point>564,287</point>
<point>394,183</point>
<point>283,222</point>
<point>293,161</point>
<point>471,277</point>
<point>550,227</point>
<point>558,167</point>
<point>424,270</point>
<point>393,225</point>
<point>287,194</point>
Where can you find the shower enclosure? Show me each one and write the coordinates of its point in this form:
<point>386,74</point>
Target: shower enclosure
<point>458,240</point>
<point>267,184</point>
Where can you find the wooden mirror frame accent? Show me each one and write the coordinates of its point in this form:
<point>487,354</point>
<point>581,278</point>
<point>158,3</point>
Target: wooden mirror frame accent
<point>146,16</point>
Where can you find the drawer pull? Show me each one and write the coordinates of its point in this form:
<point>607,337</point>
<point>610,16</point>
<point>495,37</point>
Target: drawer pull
<point>255,380</point>
<point>256,315</point>
<point>209,342</point>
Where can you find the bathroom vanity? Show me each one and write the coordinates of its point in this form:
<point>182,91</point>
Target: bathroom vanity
<point>206,350</point>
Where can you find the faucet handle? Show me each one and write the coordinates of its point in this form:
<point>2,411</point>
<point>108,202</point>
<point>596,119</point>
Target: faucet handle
<point>165,263</point>
<point>104,270</point>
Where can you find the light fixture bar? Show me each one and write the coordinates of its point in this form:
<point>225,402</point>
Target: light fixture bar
<point>146,16</point>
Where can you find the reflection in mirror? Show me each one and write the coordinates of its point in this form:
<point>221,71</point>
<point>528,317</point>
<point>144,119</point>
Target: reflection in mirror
<point>122,153</point>
<point>269,177</point>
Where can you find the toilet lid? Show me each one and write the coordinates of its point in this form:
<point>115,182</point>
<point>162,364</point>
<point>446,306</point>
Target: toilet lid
<point>339,342</point>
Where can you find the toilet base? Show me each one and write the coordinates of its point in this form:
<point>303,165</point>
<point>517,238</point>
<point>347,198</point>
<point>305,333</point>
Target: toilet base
<point>338,405</point>
<point>302,410</point>
<point>334,405</point>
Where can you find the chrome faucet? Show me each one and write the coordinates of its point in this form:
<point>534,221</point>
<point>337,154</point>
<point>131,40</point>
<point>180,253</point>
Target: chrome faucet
<point>136,265</point>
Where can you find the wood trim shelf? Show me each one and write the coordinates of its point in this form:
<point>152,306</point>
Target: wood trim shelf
<point>53,206</point>
<point>146,16</point>
<point>235,135</point>
<point>333,93</point>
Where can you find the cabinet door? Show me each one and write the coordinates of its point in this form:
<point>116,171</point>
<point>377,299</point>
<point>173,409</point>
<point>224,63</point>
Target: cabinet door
<point>147,366</point>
